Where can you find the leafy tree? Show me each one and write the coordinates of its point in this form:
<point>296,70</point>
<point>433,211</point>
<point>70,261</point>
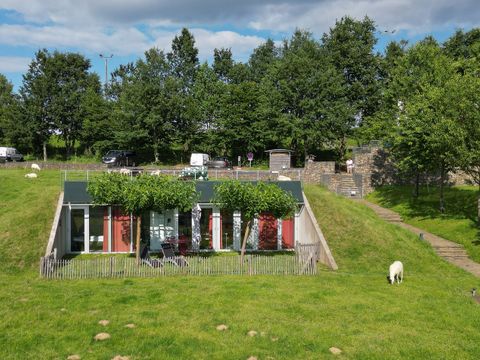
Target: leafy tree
<point>310,95</point>
<point>208,93</point>
<point>253,200</point>
<point>150,104</point>
<point>350,44</point>
<point>461,104</point>
<point>10,114</point>
<point>52,92</point>
<point>36,98</point>
<point>223,64</point>
<point>184,58</point>
<point>96,134</point>
<point>262,58</point>
<point>142,193</point>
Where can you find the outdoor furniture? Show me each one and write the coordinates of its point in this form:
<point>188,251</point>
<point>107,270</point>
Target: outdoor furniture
<point>168,251</point>
<point>147,260</point>
<point>180,244</point>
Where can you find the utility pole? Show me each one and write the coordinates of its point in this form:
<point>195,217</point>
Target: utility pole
<point>106,58</point>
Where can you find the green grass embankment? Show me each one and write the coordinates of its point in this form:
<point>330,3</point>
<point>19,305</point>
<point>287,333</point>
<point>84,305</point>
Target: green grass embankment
<point>430,316</point>
<point>459,222</point>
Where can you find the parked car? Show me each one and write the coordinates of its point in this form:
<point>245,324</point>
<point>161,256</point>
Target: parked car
<point>10,154</point>
<point>119,158</point>
<point>199,159</point>
<point>219,162</point>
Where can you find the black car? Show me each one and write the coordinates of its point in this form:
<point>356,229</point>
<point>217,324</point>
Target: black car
<point>119,158</point>
<point>219,162</point>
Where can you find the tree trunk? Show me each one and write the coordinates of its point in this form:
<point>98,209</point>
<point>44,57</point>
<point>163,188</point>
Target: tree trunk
<point>478,205</point>
<point>137,241</point>
<point>155,152</point>
<point>417,185</point>
<point>45,151</point>
<point>442,181</point>
<point>244,243</point>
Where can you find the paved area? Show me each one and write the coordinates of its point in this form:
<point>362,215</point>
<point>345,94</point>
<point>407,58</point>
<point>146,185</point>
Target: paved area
<point>449,250</point>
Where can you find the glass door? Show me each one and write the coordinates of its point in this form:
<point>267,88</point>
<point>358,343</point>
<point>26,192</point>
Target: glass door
<point>77,230</point>
<point>97,226</point>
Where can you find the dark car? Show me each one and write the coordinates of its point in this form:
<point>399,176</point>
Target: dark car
<point>219,162</point>
<point>119,158</point>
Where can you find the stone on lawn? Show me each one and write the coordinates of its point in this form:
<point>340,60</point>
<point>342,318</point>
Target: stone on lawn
<point>252,333</point>
<point>335,351</point>
<point>102,336</point>
<point>74,357</point>
<point>130,326</point>
<point>252,358</point>
<point>222,327</point>
<point>104,322</point>
<point>120,357</point>
<point>274,338</point>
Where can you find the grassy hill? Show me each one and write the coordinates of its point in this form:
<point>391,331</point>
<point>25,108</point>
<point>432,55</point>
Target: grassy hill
<point>430,315</point>
<point>459,222</point>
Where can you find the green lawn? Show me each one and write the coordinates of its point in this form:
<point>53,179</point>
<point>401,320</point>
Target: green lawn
<point>430,316</point>
<point>458,223</point>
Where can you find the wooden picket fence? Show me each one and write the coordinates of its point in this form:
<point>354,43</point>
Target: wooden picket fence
<point>298,263</point>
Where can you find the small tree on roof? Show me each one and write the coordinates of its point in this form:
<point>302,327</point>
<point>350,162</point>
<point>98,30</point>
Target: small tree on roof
<point>252,200</point>
<point>142,193</point>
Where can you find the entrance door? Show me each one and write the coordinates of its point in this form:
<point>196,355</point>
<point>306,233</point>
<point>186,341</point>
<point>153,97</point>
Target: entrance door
<point>79,229</point>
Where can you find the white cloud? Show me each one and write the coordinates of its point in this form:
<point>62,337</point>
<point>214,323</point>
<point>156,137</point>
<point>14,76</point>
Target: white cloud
<point>14,64</point>
<point>271,15</point>
<point>241,45</point>
<point>120,41</point>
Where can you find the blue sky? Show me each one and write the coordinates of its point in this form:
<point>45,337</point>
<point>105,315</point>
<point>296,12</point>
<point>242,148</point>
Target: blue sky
<point>127,28</point>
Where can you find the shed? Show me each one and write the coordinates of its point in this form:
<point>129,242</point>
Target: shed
<point>280,159</point>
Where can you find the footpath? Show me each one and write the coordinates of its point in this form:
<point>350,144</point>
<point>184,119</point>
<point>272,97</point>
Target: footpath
<point>449,250</point>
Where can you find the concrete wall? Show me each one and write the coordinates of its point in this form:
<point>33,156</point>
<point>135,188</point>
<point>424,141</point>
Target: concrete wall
<point>56,240</point>
<point>311,233</point>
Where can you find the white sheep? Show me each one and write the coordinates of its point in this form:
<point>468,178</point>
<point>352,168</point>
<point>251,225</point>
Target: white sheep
<point>155,172</point>
<point>31,176</point>
<point>124,171</point>
<point>36,167</point>
<point>396,272</point>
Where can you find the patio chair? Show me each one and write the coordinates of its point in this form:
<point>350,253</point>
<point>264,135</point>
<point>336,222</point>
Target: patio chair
<point>147,260</point>
<point>168,251</point>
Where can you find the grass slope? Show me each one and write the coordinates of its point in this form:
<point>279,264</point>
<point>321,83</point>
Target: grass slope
<point>458,223</point>
<point>429,316</point>
<point>27,207</point>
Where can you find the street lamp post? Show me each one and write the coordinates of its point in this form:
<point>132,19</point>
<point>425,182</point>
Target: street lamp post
<point>106,58</point>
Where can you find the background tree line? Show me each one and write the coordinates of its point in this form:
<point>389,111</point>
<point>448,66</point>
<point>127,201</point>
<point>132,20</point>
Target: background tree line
<point>309,95</point>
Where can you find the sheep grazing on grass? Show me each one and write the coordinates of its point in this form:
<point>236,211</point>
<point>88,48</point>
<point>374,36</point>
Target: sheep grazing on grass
<point>396,272</point>
<point>124,171</point>
<point>36,167</point>
<point>156,173</point>
<point>31,176</point>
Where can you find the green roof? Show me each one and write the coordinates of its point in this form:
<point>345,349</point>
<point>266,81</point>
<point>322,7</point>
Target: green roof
<point>75,192</point>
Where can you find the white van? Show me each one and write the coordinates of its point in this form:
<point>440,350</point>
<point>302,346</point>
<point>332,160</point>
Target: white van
<point>198,159</point>
<point>10,154</point>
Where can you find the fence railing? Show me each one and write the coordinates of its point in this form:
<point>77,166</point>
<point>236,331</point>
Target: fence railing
<point>213,174</point>
<point>303,262</point>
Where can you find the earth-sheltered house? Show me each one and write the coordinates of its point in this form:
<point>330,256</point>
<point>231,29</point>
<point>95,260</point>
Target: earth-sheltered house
<point>81,227</point>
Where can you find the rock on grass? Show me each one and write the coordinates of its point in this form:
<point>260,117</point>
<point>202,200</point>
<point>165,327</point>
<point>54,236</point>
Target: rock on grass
<point>335,351</point>
<point>222,327</point>
<point>102,336</point>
